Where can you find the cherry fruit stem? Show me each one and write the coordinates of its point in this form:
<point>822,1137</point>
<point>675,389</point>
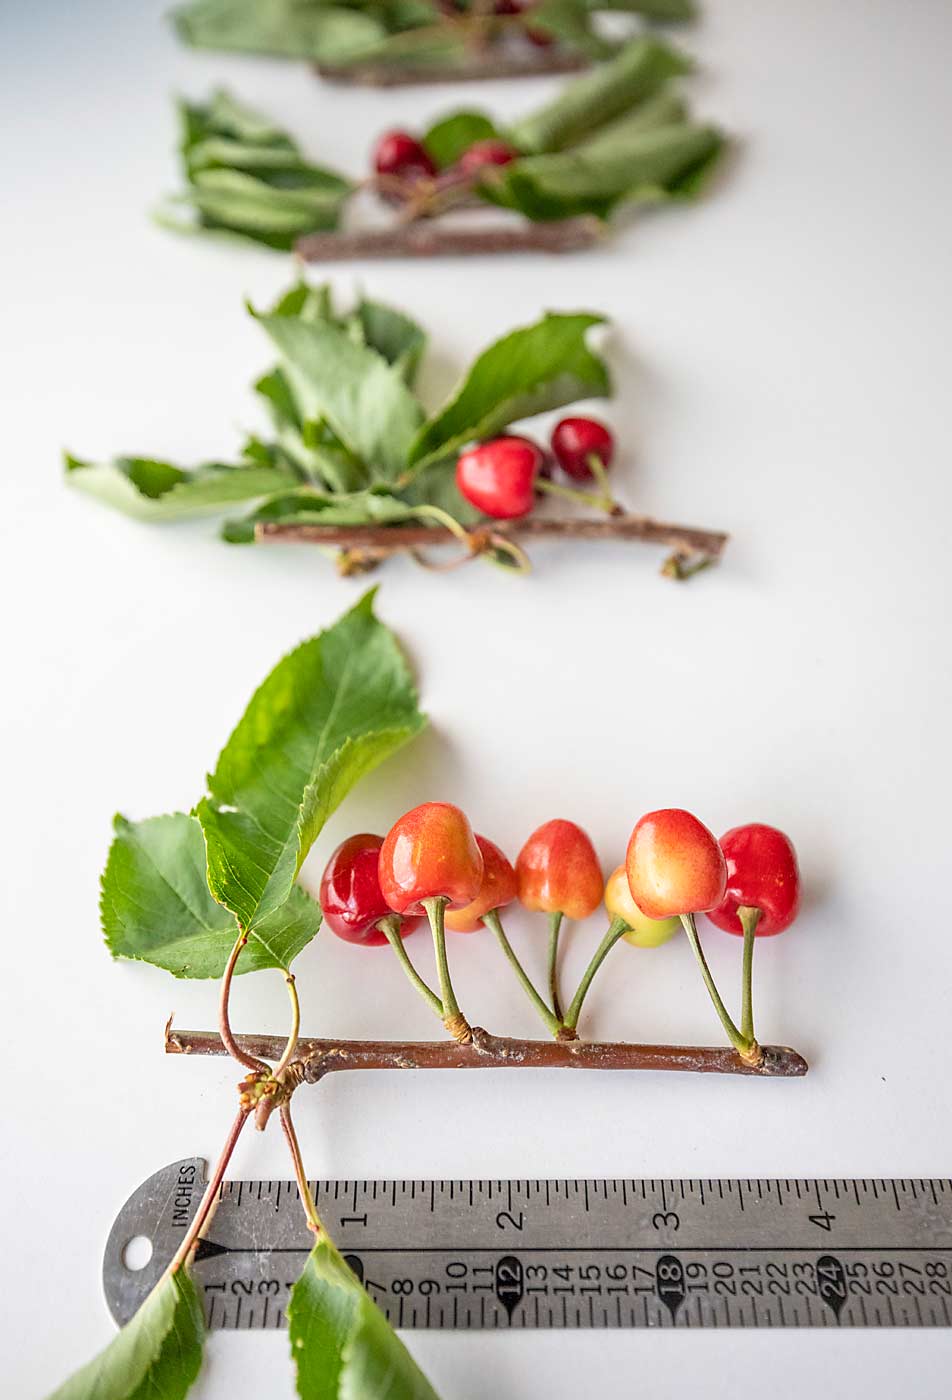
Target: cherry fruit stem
<point>435,911</point>
<point>493,922</point>
<point>741,1043</point>
<point>304,1189</point>
<point>569,493</point>
<point>616,929</point>
<point>390,927</point>
<point>555,928</point>
<point>749,917</point>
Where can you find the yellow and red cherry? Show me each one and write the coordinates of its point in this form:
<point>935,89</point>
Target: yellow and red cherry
<point>558,871</point>
<point>430,853</point>
<point>499,888</point>
<point>674,865</point>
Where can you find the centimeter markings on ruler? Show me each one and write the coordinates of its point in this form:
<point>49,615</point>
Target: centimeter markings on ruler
<point>564,1253</point>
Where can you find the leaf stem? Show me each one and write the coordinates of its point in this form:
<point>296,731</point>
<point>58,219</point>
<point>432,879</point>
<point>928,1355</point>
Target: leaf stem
<point>224,1024</point>
<point>493,921</point>
<point>210,1196</point>
<point>555,928</point>
<point>749,917</point>
<point>390,927</point>
<point>295,1025</point>
<point>304,1189</point>
<point>616,929</point>
<point>740,1042</point>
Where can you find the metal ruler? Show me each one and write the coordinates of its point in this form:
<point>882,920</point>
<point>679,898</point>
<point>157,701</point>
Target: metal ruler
<point>563,1253</point>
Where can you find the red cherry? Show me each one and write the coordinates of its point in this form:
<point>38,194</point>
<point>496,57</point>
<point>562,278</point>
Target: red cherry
<point>498,477</point>
<point>483,153</point>
<point>541,38</point>
<point>762,873</point>
<point>350,895</point>
<point>675,865</point>
<point>558,871</point>
<point>575,440</point>
<point>430,853</point>
<point>398,153</point>
<point>497,890</point>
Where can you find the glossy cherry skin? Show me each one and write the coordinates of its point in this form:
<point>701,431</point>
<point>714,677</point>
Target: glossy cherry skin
<point>483,153</point>
<point>558,871</point>
<point>674,865</point>
<point>350,895</point>
<point>574,440</point>
<point>430,853</point>
<point>498,477</point>
<point>400,154</point>
<point>762,873</point>
<point>643,932</point>
<point>497,889</point>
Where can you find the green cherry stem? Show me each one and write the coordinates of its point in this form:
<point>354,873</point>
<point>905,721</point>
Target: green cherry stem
<point>597,467</point>
<point>390,928</point>
<point>749,917</point>
<point>616,929</point>
<point>586,498</point>
<point>224,1021</point>
<point>555,928</point>
<point>739,1041</point>
<point>453,1018</point>
<point>493,921</point>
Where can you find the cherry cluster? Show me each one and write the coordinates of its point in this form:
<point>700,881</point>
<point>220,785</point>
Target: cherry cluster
<point>503,476</point>
<point>375,890</point>
<point>400,156</point>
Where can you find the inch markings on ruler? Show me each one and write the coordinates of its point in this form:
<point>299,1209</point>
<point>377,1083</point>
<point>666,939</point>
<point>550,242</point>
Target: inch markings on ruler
<point>563,1253</point>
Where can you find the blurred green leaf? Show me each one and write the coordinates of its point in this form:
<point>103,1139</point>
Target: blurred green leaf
<point>448,138</point>
<point>153,490</point>
<point>533,369</point>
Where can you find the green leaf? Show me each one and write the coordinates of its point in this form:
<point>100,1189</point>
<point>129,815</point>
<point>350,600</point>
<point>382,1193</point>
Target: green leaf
<point>246,176</point>
<point>364,399</point>
<point>530,370</point>
<point>156,1356</point>
<point>342,1345</point>
<point>328,713</point>
<point>393,335</point>
<point>329,33</point>
<point>638,71</point>
<point>664,162</point>
<point>152,490</point>
<point>448,138</point>
<point>156,905</point>
<point>313,508</point>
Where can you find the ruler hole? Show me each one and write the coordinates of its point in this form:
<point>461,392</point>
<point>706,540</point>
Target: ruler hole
<point>137,1253</point>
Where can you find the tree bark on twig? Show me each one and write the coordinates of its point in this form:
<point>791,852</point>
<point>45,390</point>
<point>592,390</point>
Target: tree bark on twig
<point>390,539</point>
<point>432,239</point>
<point>315,1058</point>
<point>489,64</point>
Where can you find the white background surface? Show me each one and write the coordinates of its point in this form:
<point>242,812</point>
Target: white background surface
<point>782,368</point>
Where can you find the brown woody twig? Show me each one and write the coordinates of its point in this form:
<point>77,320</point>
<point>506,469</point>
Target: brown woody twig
<point>487,64</point>
<point>315,1058</point>
<point>427,239</point>
<point>381,540</point>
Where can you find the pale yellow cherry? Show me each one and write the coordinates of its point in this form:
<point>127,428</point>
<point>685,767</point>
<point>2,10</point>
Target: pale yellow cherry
<point>643,932</point>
